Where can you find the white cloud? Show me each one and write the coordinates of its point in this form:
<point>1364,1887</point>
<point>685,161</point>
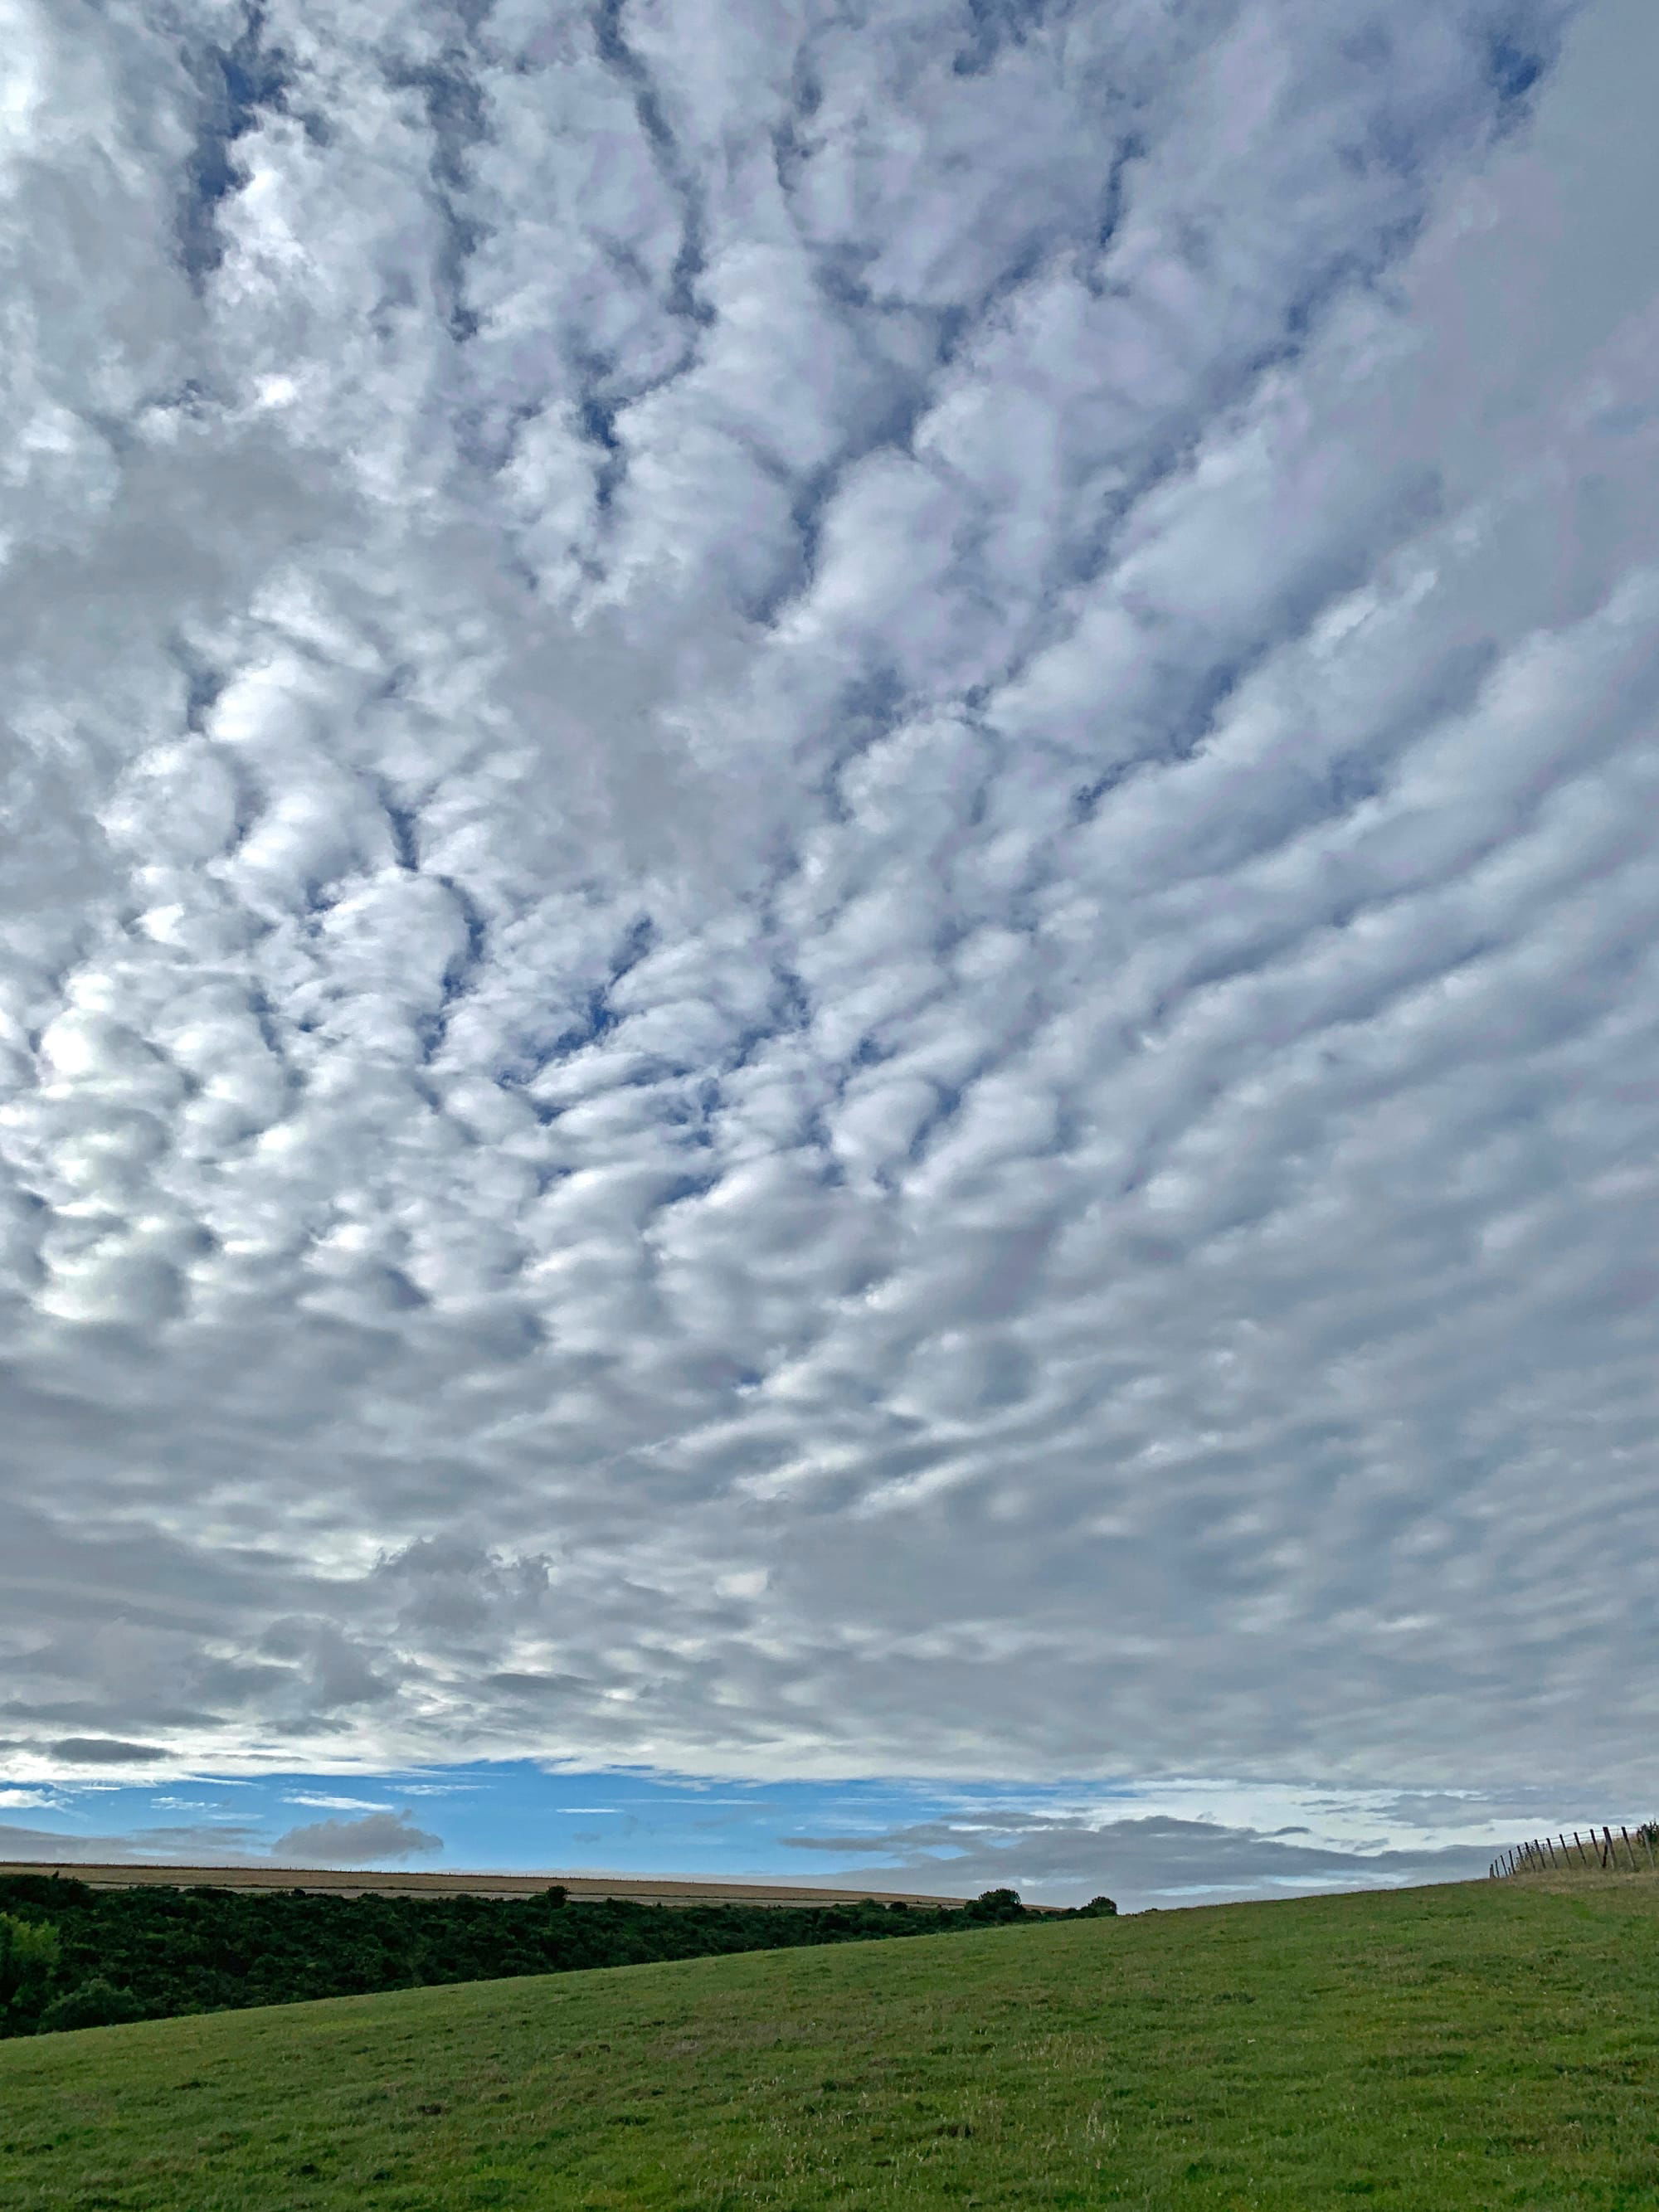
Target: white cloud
<point>336,1804</point>
<point>831,949</point>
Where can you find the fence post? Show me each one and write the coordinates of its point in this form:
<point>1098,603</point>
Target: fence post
<point>1630,1851</point>
<point>1578,1839</point>
<point>1607,1859</point>
<point>1645,1832</point>
<point>1550,1848</point>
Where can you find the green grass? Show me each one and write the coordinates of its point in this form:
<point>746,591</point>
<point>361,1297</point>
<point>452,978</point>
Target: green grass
<point>1483,2045</point>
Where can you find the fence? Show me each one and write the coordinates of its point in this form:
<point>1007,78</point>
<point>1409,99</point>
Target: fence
<point>1552,1854</point>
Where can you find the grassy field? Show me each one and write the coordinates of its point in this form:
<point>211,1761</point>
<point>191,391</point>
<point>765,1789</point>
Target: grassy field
<point>1483,2045</point>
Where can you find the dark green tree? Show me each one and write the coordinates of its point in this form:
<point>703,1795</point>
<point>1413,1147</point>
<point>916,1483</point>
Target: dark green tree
<point>29,1950</point>
<point>995,1904</point>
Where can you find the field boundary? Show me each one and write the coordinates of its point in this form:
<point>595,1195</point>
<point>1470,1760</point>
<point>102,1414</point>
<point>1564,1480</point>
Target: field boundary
<point>339,1881</point>
<point>1586,1854</point>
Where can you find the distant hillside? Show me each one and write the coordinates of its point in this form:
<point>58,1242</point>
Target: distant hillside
<point>1483,2047</point>
<point>72,1955</point>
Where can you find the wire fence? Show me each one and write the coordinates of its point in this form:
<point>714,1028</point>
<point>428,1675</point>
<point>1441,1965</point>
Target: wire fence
<point>1620,1852</point>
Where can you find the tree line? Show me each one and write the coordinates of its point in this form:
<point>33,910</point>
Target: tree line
<point>73,1956</point>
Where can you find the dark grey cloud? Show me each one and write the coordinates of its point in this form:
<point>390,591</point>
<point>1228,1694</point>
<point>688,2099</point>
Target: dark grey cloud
<point>835,945</point>
<point>104,1750</point>
<point>363,1842</point>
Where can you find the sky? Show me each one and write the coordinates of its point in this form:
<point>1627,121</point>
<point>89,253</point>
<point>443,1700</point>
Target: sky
<point>828,987</point>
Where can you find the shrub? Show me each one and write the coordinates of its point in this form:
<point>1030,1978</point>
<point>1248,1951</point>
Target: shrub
<point>28,1951</point>
<point>1098,1908</point>
<point>96,2004</point>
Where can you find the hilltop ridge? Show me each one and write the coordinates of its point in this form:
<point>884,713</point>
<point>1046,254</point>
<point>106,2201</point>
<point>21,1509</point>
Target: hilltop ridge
<point>1458,2048</point>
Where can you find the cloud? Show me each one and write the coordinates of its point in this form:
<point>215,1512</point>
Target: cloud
<point>105,1751</point>
<point>1156,1861</point>
<point>220,1843</point>
<point>336,1804</point>
<point>833,954</point>
<point>376,1836</point>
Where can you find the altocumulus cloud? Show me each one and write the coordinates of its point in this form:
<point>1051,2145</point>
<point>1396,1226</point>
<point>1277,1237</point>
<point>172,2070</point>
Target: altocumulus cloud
<point>827,943</point>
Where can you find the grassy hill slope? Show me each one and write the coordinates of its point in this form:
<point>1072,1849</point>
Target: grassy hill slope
<point>1480,2045</point>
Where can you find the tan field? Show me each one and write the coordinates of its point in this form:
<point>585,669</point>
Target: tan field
<point>346,1882</point>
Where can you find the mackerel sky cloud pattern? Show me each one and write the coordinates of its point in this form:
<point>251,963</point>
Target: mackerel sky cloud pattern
<point>827,914</point>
